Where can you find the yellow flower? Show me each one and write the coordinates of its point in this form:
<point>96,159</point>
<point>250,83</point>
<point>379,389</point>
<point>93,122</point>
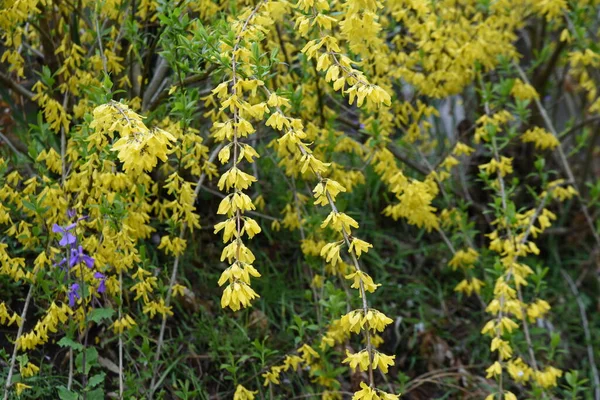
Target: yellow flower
<point>504,166</point>
<point>382,361</point>
<point>494,370</point>
<point>523,91</point>
<point>157,307</point>
<point>464,258</point>
<point>138,148</point>
<point>125,323</point>
<point>238,294</point>
<point>331,252</point>
<point>357,360</point>
<point>272,376</point>
<point>509,396</point>
<point>317,281</point>
<point>548,377</point>
<point>329,395</point>
<point>490,327</point>
<point>20,387</point>
<point>327,189</point>
<point>352,321</point>
<point>361,360</point>
<point>367,282</point>
<point>537,309</point>
<point>540,138</point>
<point>291,362</point>
<point>366,393</point>
<point>339,222</point>
<point>29,370</point>
<point>235,178</point>
<point>178,290</point>
<point>238,271</point>
<point>519,371</point>
<point>241,393</point>
<point>359,246</point>
<point>376,320</point>
<point>507,324</point>
<point>503,348</point>
<point>307,353</point>
<point>462,149</point>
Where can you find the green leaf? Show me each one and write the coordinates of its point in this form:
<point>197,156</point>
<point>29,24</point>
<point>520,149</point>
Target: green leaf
<point>68,342</point>
<point>96,394</point>
<point>29,205</point>
<point>98,314</point>
<point>91,356</point>
<point>66,394</point>
<point>96,379</point>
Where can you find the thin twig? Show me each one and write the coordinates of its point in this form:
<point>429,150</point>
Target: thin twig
<point>153,384</point>
<point>357,267</point>
<point>161,70</point>
<point>11,83</point>
<point>121,374</point>
<point>157,99</point>
<point>13,358</point>
<point>17,153</point>
<point>586,331</point>
<point>562,158</point>
<point>99,39</point>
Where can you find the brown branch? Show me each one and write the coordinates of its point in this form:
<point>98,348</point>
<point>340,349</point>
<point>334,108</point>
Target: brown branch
<point>190,80</point>
<point>12,84</point>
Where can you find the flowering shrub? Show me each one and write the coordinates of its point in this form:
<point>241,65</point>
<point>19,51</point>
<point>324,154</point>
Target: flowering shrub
<point>406,193</point>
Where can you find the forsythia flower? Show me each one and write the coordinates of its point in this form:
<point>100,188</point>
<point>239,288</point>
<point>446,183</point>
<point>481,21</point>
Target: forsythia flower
<point>367,393</point>
<point>494,370</point>
<point>326,189</point>
<point>523,91</point>
<point>540,138</point>
<point>548,377</point>
<point>29,370</point>
<point>361,360</point>
<point>140,151</point>
<point>503,348</point>
<point>139,147</point>
<point>364,279</point>
<point>504,166</point>
<point>237,295</point>
<point>20,387</point>
<point>125,323</point>
<point>359,246</point>
<point>339,222</point>
<point>241,393</point>
<point>464,259</point>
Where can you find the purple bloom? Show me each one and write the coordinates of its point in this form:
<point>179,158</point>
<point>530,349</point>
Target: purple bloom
<point>71,213</point>
<point>73,294</point>
<point>68,238</point>
<point>78,256</point>
<point>102,277</point>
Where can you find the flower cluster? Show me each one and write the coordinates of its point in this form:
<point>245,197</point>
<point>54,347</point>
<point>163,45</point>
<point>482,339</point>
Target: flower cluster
<point>138,148</point>
<point>235,128</point>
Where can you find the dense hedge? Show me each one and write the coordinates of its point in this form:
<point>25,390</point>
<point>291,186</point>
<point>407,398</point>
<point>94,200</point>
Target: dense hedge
<point>309,199</point>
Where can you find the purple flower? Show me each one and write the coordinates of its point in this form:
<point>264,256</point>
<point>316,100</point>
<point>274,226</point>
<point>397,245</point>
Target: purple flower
<point>71,213</point>
<point>78,256</point>
<point>61,263</point>
<point>68,238</point>
<point>102,277</point>
<point>73,294</point>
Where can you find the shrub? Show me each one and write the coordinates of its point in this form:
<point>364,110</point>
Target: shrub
<point>403,190</point>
